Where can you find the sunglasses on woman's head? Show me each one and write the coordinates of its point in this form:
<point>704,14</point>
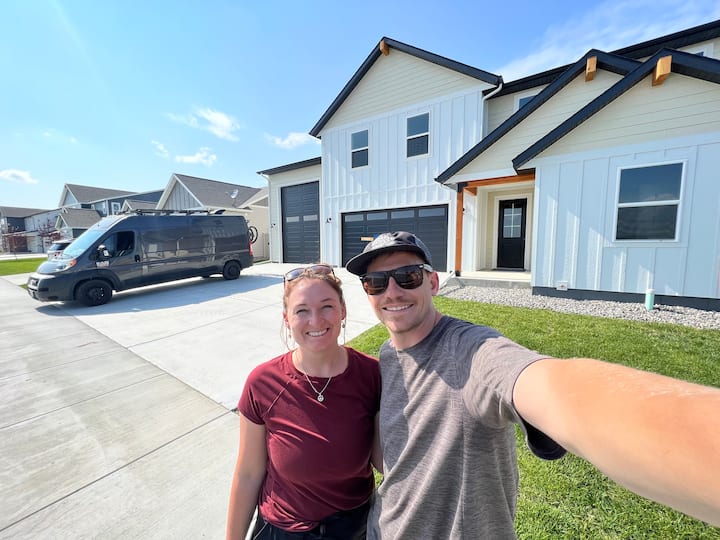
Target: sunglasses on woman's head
<point>322,269</point>
<point>407,277</point>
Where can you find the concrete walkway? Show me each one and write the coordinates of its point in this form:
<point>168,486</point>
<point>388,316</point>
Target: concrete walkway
<point>115,421</point>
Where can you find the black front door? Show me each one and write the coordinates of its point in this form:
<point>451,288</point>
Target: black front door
<point>511,234</point>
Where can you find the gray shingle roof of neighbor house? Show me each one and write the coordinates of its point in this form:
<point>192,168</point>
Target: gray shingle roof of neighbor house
<point>690,65</point>
<point>470,71</point>
<point>292,166</point>
<point>17,212</point>
<point>79,218</point>
<point>88,194</point>
<point>215,193</point>
<point>606,61</point>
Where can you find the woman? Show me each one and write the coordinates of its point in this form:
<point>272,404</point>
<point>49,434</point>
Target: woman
<point>307,425</point>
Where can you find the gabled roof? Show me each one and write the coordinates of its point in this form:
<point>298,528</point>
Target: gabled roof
<point>606,61</point>
<point>79,218</point>
<point>212,193</point>
<point>470,71</point>
<point>292,166</point>
<point>691,65</point>
<point>676,40</point>
<point>17,212</point>
<point>89,194</point>
<point>132,204</point>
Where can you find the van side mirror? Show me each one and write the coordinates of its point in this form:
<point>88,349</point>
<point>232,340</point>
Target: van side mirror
<point>102,253</point>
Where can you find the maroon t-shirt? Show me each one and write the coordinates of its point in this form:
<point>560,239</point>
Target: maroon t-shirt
<point>318,453</point>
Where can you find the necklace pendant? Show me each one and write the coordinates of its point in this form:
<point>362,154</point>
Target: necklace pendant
<point>320,398</point>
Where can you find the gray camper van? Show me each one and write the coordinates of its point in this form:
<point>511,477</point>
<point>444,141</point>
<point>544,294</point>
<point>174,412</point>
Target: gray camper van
<point>146,247</point>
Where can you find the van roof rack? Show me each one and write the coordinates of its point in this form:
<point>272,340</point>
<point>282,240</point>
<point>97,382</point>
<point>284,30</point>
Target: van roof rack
<point>154,212</point>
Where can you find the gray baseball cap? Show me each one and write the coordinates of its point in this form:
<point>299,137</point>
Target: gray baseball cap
<point>386,243</point>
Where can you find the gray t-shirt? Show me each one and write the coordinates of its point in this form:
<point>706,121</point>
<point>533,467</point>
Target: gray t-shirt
<point>447,435</point>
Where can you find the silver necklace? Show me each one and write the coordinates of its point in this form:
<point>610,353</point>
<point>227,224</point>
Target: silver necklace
<point>320,396</point>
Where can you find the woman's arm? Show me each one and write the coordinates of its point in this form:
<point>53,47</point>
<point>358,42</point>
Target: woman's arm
<point>657,436</point>
<point>247,479</point>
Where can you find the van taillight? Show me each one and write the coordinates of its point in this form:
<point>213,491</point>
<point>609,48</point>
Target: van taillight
<point>250,249</point>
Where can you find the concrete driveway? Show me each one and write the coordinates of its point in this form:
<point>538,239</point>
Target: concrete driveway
<point>115,421</point>
<point>210,333</point>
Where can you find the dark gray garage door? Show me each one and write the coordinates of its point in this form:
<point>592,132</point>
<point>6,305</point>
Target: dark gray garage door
<point>430,223</point>
<point>301,223</point>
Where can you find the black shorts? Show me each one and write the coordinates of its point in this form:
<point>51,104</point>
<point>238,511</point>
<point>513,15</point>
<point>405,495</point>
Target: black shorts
<point>347,525</point>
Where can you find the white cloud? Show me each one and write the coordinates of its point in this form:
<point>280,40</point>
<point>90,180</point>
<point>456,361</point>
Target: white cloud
<point>293,140</point>
<point>16,176</point>
<point>202,156</point>
<point>160,149</point>
<point>218,123</point>
<point>610,25</point>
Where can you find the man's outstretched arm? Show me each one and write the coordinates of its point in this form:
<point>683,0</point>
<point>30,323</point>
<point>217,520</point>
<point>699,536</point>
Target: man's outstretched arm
<point>657,436</point>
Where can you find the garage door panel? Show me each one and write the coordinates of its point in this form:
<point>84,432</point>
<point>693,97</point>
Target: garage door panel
<point>429,223</point>
<point>301,223</point>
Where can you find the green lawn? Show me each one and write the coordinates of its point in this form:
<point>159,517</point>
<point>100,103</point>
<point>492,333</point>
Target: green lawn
<point>569,498</point>
<point>10,267</point>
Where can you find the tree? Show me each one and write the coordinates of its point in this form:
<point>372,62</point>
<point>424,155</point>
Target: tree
<point>14,239</point>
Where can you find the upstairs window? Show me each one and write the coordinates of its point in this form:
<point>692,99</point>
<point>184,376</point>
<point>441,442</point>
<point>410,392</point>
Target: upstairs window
<point>648,202</point>
<point>418,135</point>
<point>359,148</point>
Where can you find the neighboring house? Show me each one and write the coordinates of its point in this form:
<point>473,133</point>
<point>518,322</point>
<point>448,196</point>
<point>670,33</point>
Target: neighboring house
<point>72,222</point>
<point>27,229</point>
<point>191,193</point>
<point>106,201</point>
<point>83,206</point>
<point>597,177</point>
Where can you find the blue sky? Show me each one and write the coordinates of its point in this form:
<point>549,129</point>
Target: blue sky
<point>123,93</point>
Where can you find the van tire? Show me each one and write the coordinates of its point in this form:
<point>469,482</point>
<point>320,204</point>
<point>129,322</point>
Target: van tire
<point>94,293</point>
<point>232,270</point>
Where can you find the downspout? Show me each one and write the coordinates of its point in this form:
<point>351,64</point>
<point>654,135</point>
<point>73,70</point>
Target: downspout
<point>460,200</point>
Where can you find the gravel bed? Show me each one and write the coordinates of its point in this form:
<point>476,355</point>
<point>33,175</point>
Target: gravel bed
<point>523,297</point>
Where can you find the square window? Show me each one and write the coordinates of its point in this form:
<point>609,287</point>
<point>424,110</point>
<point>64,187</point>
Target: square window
<point>359,149</point>
<point>418,135</point>
<point>648,202</point>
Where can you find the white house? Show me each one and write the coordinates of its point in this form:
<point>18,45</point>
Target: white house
<point>596,177</point>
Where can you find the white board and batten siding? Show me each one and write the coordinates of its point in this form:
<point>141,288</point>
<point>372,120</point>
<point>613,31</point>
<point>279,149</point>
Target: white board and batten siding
<point>397,87</point>
<point>577,182</point>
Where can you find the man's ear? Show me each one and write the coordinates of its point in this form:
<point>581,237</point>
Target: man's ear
<point>434,283</point>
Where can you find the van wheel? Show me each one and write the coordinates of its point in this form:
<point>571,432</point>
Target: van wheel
<point>232,270</point>
<point>94,293</point>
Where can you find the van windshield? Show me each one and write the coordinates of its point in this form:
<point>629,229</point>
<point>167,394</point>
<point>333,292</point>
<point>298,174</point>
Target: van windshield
<point>82,243</point>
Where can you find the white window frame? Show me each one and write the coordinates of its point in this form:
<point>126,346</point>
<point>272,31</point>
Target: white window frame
<point>665,202</point>
<point>417,135</point>
<point>360,149</point>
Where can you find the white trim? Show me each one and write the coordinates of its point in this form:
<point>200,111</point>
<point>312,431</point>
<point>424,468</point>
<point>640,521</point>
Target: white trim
<point>528,226</point>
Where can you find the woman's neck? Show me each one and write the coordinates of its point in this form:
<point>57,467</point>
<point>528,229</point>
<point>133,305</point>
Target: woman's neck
<point>326,364</point>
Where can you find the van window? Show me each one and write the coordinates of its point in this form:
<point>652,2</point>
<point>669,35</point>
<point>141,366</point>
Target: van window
<point>119,244</point>
<point>163,243</point>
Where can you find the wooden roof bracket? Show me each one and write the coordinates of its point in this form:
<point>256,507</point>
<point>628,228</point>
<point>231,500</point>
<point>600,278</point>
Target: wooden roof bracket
<point>590,68</point>
<point>662,70</point>
<point>384,48</point>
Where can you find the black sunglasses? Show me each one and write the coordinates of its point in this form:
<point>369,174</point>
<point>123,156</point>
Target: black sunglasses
<point>407,277</point>
<point>322,269</point>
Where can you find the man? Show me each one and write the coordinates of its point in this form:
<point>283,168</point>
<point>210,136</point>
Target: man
<point>452,390</point>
